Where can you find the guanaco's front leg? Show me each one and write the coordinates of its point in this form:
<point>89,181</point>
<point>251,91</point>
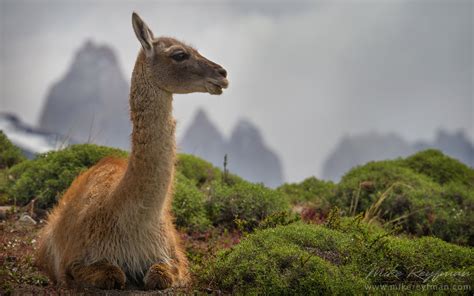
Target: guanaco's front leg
<point>160,276</point>
<point>101,274</point>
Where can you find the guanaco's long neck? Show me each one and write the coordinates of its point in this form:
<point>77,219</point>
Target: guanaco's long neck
<point>150,171</point>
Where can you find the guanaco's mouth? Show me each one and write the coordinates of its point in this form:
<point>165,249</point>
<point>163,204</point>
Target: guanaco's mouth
<point>215,87</point>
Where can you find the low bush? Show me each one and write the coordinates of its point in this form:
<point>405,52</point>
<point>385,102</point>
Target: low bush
<point>309,190</point>
<point>278,219</point>
<point>302,259</point>
<point>197,170</point>
<point>189,206</point>
<point>243,202</point>
<point>388,192</point>
<point>312,198</point>
<point>9,153</point>
<point>392,193</point>
<point>3,187</point>
<point>361,186</point>
<point>440,168</point>
<point>454,220</point>
<point>202,172</point>
<point>50,174</point>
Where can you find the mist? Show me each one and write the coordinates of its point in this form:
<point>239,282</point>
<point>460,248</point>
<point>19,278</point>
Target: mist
<point>306,74</point>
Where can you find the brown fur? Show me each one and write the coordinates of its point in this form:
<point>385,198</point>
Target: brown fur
<point>113,225</point>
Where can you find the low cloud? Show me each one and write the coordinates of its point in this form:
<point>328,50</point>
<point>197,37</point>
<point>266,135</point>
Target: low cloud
<point>305,74</point>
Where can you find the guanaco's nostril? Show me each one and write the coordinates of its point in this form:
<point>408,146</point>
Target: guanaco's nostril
<point>222,71</point>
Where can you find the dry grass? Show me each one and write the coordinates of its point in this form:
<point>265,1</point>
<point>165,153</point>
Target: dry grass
<point>374,212</point>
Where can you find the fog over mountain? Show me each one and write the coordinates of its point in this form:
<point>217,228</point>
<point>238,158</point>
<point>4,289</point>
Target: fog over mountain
<point>29,139</point>
<point>247,153</point>
<point>359,149</point>
<point>305,72</point>
<point>455,144</point>
<point>203,138</point>
<point>90,103</point>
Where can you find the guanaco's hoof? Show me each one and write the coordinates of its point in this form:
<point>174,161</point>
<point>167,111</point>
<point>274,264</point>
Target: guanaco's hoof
<point>158,277</point>
<point>107,277</point>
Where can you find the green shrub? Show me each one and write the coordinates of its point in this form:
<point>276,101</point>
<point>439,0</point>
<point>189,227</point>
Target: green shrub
<point>362,184</point>
<point>312,197</point>
<point>3,187</point>
<point>197,170</point>
<point>245,202</point>
<point>455,224</point>
<point>9,153</point>
<point>50,174</point>
<point>189,205</point>
<point>302,259</point>
<point>278,219</point>
<point>309,190</point>
<point>440,168</point>
<point>391,192</point>
<point>202,172</point>
<point>406,195</point>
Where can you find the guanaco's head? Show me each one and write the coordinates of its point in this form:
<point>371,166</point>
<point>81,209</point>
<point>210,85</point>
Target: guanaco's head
<point>177,67</point>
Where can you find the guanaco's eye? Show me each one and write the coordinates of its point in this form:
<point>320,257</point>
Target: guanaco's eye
<point>179,56</point>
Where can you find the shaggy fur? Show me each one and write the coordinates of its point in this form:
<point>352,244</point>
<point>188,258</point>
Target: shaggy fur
<point>113,226</point>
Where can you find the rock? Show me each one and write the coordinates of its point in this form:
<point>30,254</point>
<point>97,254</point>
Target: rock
<point>27,219</point>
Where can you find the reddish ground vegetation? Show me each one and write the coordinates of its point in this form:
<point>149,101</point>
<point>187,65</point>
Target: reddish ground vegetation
<point>20,276</point>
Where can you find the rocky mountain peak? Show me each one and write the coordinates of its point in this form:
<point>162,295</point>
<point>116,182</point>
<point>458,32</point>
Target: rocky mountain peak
<point>93,55</point>
<point>247,151</point>
<point>90,103</point>
<point>244,129</point>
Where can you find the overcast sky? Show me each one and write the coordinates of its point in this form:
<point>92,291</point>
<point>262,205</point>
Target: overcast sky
<point>306,74</point>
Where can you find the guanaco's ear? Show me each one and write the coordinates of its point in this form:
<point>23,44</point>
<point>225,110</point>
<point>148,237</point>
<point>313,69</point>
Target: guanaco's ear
<point>144,34</point>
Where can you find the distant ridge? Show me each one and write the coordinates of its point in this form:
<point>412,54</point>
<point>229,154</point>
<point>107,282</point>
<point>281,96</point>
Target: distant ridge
<point>29,139</point>
<point>359,149</point>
